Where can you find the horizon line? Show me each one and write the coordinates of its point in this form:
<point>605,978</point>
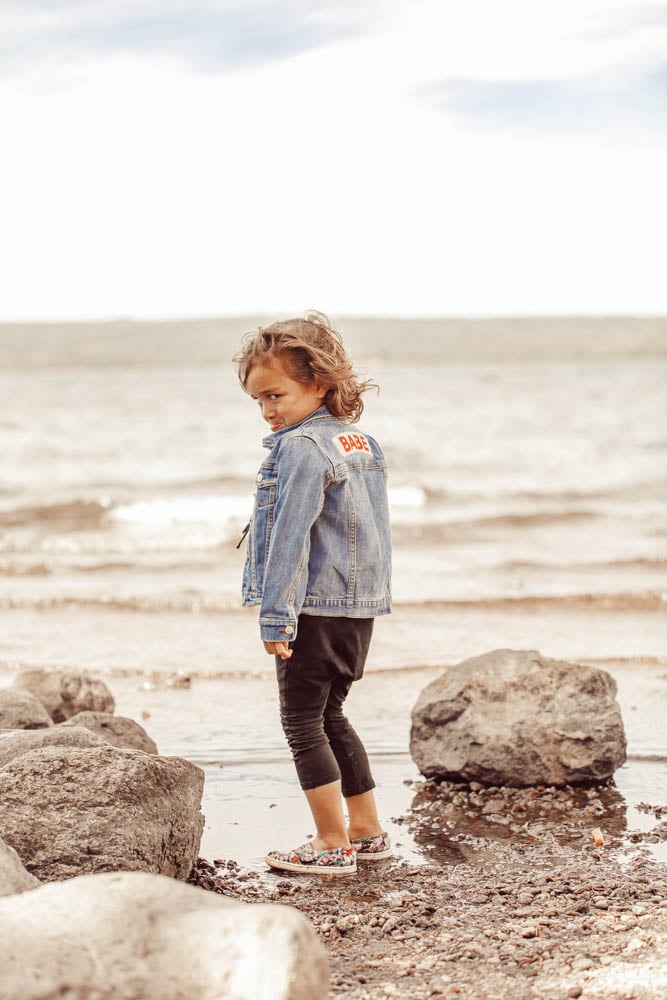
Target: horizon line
<point>343,316</point>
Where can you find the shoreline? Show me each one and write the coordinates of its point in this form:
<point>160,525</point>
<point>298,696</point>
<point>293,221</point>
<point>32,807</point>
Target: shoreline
<point>498,893</point>
<point>229,726</point>
<point>550,914</point>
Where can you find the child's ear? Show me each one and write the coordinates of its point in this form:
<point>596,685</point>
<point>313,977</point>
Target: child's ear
<point>321,390</point>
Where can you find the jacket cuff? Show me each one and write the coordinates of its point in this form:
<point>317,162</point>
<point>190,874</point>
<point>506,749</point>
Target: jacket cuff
<point>271,630</point>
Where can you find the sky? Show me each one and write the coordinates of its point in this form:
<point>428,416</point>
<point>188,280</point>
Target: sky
<point>437,157</point>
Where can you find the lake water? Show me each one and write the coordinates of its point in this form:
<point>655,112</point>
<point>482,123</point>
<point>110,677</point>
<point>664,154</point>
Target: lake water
<point>529,510</point>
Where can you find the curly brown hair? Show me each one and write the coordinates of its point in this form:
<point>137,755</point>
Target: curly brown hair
<point>311,351</point>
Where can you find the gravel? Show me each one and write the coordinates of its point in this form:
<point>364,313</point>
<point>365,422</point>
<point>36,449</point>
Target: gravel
<point>515,900</point>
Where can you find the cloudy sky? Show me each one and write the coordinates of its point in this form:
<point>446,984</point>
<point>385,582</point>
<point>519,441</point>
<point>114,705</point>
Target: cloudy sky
<point>431,157</point>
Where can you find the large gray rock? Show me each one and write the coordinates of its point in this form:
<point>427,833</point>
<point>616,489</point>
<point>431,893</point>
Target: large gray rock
<point>70,811</point>
<point>16,742</point>
<point>514,717</point>
<point>141,937</point>
<point>13,876</point>
<point>64,693</point>
<point>21,710</point>
<point>115,729</point>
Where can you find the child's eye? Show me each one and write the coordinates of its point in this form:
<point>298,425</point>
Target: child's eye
<point>274,395</point>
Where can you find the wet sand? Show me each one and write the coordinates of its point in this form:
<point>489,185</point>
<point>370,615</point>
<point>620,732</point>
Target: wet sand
<point>494,894</point>
<point>538,910</point>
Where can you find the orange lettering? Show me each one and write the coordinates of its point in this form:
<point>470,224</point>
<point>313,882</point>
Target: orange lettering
<point>352,442</point>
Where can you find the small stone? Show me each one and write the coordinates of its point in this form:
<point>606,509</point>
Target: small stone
<point>346,923</point>
<point>575,991</point>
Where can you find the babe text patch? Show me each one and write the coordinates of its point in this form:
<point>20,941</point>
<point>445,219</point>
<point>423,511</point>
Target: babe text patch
<point>351,444</point>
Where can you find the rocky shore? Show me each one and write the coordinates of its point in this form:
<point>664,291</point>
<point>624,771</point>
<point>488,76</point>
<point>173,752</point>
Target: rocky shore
<point>528,893</point>
<point>540,892</point>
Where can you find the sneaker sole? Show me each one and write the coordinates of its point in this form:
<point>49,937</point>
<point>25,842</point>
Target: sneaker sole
<point>377,856</point>
<point>290,866</point>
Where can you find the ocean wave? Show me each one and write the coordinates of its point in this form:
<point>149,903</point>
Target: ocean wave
<point>28,569</point>
<point>71,515</point>
<point>639,601</point>
<point>612,601</point>
<point>640,490</point>
<point>407,496</point>
<point>163,512</point>
<point>631,562</point>
<point>145,605</point>
<point>444,531</point>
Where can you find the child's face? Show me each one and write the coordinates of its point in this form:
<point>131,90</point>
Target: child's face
<point>283,401</point>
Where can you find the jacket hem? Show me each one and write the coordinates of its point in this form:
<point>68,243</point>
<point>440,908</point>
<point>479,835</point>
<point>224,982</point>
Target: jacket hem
<point>369,609</point>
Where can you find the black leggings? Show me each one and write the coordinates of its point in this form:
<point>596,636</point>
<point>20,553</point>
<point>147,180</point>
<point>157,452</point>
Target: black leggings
<point>328,655</point>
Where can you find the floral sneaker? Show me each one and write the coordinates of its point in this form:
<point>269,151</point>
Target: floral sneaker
<point>308,861</point>
<point>373,848</point>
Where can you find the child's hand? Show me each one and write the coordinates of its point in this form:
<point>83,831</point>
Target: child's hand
<point>278,649</point>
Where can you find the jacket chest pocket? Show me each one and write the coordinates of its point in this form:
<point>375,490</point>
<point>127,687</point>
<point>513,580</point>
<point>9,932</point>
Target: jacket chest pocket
<point>267,485</point>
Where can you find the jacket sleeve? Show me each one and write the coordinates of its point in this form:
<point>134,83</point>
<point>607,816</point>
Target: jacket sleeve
<point>303,474</point>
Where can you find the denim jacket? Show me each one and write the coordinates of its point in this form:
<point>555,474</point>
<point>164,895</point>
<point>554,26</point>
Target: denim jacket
<point>319,539</point>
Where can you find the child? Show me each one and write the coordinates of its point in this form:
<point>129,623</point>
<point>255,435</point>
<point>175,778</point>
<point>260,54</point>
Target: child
<point>318,564</point>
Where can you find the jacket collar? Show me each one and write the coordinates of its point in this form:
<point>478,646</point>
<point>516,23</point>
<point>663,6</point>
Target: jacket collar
<point>272,439</point>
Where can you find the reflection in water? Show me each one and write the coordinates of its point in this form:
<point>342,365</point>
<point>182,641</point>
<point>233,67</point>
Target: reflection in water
<point>457,824</point>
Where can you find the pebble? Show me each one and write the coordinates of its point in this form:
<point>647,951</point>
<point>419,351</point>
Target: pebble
<point>582,964</point>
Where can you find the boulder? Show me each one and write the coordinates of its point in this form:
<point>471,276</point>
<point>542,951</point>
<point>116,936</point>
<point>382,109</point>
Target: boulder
<point>64,693</point>
<point>16,742</point>
<point>70,811</point>
<point>515,717</point>
<point>115,729</point>
<point>13,876</point>
<point>132,936</point>
<point>21,710</point>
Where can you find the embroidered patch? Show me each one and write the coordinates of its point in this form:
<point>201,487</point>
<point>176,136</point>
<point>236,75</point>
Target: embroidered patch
<point>350,444</point>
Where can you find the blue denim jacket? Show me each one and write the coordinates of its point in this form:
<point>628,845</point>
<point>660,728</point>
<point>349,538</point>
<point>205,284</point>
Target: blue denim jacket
<point>319,539</point>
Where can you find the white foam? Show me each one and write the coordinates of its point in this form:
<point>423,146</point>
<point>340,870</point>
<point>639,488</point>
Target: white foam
<point>407,496</point>
<point>211,511</point>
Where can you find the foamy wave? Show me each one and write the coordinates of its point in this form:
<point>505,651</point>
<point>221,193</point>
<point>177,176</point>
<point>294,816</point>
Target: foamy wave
<point>640,601</point>
<point>165,512</point>
<point>196,604</point>
<point>68,515</point>
<point>410,530</point>
<point>30,569</point>
<point>407,496</point>
<point>199,603</point>
<point>563,560</point>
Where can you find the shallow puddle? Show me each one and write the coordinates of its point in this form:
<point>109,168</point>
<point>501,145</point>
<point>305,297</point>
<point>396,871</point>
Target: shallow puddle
<point>470,824</point>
